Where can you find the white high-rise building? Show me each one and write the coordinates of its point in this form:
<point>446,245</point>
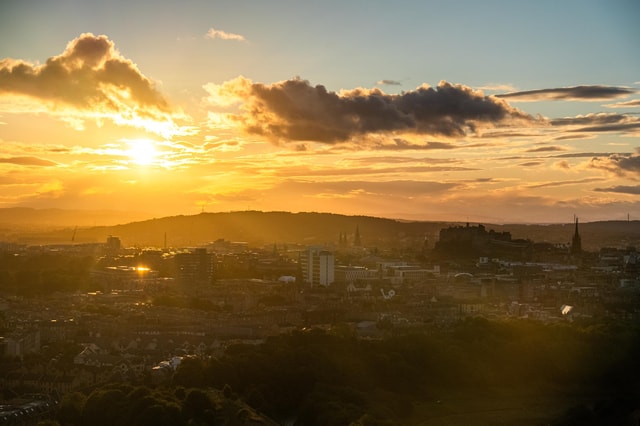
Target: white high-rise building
<point>318,266</point>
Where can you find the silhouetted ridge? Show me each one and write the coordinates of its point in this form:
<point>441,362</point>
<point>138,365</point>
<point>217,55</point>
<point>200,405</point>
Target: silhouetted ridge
<point>257,227</point>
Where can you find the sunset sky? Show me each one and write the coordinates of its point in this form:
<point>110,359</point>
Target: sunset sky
<point>486,111</point>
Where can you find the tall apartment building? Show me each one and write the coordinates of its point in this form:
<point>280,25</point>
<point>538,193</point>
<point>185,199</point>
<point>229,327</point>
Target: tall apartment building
<point>195,267</point>
<point>318,266</point>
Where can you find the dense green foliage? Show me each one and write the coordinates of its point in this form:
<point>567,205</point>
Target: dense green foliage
<point>313,377</point>
<point>122,404</point>
<point>320,378</point>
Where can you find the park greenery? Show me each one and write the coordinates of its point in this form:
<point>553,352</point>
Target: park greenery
<point>317,377</point>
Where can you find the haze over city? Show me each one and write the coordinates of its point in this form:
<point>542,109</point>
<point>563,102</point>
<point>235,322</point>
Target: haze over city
<point>426,110</point>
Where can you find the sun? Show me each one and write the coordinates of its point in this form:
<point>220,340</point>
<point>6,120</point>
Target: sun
<point>142,151</point>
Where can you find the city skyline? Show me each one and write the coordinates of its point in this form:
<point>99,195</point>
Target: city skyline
<point>493,112</point>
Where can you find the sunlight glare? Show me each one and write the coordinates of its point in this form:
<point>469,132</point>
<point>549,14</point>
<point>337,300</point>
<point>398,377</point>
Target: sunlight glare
<point>142,151</point>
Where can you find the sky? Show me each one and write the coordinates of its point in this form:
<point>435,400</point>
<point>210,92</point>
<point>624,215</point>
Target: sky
<point>490,112</point>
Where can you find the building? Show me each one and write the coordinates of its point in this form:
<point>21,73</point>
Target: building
<point>113,244</point>
<point>461,241</point>
<point>20,343</point>
<point>350,274</point>
<point>195,267</point>
<point>576,241</point>
<point>318,266</point>
<point>124,277</point>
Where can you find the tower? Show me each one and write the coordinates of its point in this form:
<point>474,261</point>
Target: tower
<point>356,239</point>
<point>576,241</point>
<point>317,266</point>
<point>195,267</point>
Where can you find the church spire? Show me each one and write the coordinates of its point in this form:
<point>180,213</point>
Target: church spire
<point>576,242</point>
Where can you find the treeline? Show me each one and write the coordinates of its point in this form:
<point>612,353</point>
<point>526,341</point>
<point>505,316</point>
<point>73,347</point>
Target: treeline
<point>320,378</point>
<point>126,405</point>
<point>314,377</point>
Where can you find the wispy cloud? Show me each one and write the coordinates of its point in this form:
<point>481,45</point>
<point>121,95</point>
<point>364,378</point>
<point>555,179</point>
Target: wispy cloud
<point>293,110</point>
<point>223,35</point>
<point>531,163</point>
<point>498,87</point>
<point>621,189</point>
<point>628,104</point>
<point>591,119</point>
<point>618,164</point>
<point>388,83</point>
<point>563,183</point>
<point>597,123</point>
<point>575,93</point>
<point>546,149</point>
<point>28,161</point>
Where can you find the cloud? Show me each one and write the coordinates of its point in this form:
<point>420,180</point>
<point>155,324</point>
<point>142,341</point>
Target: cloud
<point>532,163</point>
<point>28,161</point>
<point>576,93</point>
<point>401,144</point>
<point>621,189</point>
<point>563,183</point>
<point>393,188</point>
<point>621,127</point>
<point>498,86</point>
<point>401,160</point>
<point>89,74</point>
<point>592,119</point>
<point>293,110</point>
<point>213,33</point>
<point>546,149</point>
<point>628,104</point>
<point>572,137</point>
<point>90,80</point>
<point>586,154</point>
<point>388,83</point>
<point>618,164</point>
<point>598,123</point>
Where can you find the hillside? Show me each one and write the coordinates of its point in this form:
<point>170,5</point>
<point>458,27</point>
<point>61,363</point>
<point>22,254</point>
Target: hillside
<point>254,227</point>
<point>20,218</point>
<point>259,228</point>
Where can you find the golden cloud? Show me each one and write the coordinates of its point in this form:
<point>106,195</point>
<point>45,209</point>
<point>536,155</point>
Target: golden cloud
<point>90,79</point>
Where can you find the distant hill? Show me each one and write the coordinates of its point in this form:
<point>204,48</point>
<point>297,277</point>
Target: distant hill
<point>18,217</point>
<point>261,228</point>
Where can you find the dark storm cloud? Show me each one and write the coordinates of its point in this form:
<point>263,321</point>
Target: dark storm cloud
<point>294,110</point>
<point>90,74</point>
<point>28,161</point>
<point>576,93</point>
<point>621,189</point>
